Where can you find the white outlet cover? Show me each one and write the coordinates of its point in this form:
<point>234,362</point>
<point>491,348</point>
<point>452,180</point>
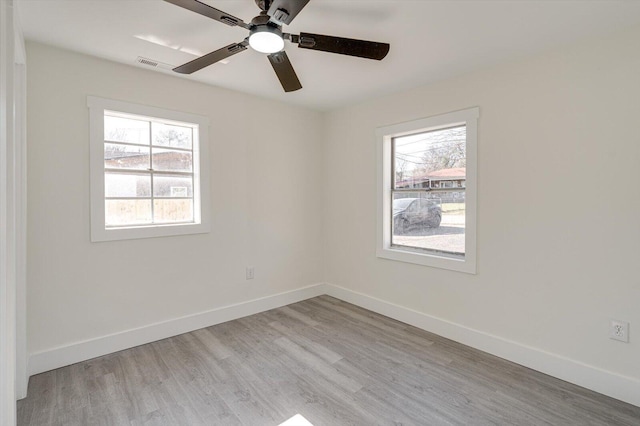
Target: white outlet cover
<point>250,272</point>
<point>619,330</point>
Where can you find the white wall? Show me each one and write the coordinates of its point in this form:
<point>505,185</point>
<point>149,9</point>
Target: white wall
<point>265,175</point>
<point>558,204</point>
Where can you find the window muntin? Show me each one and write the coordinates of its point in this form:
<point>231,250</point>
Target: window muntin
<point>429,168</point>
<point>149,175</point>
<point>430,186</point>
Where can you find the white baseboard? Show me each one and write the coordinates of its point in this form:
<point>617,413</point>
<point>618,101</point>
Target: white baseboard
<point>81,351</point>
<point>624,388</point>
<point>605,382</point>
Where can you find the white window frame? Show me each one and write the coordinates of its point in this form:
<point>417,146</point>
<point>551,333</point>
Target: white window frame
<point>201,207</point>
<point>384,137</point>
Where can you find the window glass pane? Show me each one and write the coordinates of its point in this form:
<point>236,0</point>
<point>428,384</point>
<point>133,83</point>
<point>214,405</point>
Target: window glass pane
<point>143,165</point>
<point>432,221</point>
<point>117,156</point>
<point>434,159</point>
<point>121,185</point>
<point>435,163</point>
<point>127,212</point>
<point>118,129</point>
<point>171,161</point>
<point>172,186</point>
<point>167,211</point>
<point>172,136</point>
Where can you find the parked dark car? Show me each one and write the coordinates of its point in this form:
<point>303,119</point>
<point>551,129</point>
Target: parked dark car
<point>410,213</point>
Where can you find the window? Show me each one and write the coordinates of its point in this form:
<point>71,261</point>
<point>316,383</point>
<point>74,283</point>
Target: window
<point>427,191</point>
<point>148,171</point>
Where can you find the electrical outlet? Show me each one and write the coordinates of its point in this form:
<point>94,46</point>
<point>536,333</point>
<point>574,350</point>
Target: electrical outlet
<point>619,330</point>
<point>250,272</point>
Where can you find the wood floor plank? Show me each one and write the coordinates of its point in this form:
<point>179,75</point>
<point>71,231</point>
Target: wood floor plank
<point>331,362</point>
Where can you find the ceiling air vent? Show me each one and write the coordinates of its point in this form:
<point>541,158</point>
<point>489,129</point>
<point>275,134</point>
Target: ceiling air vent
<point>154,64</point>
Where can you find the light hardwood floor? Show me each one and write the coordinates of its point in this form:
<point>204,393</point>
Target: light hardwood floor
<point>331,362</point>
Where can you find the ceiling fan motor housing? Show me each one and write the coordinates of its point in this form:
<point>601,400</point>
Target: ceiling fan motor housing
<point>261,19</point>
<point>266,28</point>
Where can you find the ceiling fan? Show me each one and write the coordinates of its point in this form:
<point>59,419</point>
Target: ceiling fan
<point>266,36</point>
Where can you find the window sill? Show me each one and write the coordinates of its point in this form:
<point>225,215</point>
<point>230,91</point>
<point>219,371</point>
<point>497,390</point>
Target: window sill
<point>114,234</point>
<point>442,261</point>
<point>435,260</point>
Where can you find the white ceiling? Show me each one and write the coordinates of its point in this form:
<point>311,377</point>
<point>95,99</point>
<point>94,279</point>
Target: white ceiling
<point>430,40</point>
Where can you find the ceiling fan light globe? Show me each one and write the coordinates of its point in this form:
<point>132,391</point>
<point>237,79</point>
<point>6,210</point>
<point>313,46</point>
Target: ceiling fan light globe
<point>266,42</point>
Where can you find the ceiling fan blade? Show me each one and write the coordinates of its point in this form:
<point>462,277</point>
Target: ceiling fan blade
<point>283,11</point>
<point>210,12</point>
<point>342,46</point>
<point>285,72</point>
<point>211,58</point>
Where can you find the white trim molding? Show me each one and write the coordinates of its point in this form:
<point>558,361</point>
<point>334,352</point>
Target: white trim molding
<point>13,378</point>
<point>81,351</point>
<point>624,388</point>
<point>20,90</point>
